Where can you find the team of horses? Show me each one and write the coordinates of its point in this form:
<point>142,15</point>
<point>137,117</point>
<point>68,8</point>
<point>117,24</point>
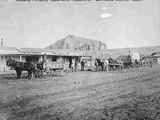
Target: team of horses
<point>122,62</point>
<point>35,69</point>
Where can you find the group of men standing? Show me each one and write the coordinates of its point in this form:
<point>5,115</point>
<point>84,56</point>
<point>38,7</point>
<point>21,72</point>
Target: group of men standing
<point>75,65</point>
<point>83,63</point>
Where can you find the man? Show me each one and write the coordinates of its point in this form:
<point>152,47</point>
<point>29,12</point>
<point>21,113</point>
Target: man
<point>82,65</point>
<point>106,62</point>
<point>75,64</point>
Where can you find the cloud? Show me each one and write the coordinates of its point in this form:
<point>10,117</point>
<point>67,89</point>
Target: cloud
<point>105,15</point>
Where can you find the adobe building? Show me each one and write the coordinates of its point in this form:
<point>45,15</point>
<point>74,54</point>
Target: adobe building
<point>51,58</point>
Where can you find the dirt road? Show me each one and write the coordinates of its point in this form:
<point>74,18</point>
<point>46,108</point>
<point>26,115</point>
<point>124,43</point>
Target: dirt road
<point>125,95</point>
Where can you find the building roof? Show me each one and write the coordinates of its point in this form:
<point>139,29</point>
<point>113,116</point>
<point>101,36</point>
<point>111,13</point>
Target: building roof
<point>9,51</point>
<point>31,51</point>
<point>156,54</point>
<point>58,52</point>
<point>67,52</point>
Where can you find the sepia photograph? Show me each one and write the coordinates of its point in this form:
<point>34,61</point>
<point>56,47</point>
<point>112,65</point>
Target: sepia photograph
<point>79,59</point>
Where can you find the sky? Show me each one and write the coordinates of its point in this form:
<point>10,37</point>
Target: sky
<point>118,24</point>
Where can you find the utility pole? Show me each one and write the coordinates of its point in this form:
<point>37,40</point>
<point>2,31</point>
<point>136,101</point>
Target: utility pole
<point>1,42</point>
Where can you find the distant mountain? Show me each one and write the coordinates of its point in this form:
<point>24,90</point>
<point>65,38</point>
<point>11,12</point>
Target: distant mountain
<point>77,43</point>
<point>144,51</point>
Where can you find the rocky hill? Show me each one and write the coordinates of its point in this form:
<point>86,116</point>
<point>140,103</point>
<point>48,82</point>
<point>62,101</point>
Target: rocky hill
<point>77,43</point>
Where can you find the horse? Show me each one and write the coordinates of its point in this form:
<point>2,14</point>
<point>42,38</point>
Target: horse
<point>39,69</point>
<point>114,64</point>
<point>99,64</point>
<point>21,66</point>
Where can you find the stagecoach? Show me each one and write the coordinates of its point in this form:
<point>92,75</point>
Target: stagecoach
<point>34,69</point>
<point>125,60</point>
<point>55,69</point>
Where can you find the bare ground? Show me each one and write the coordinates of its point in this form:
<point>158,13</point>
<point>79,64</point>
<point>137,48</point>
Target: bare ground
<point>125,95</point>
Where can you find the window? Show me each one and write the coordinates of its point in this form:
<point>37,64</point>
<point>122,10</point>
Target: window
<point>54,59</point>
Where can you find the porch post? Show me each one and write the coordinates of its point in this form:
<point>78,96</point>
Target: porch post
<point>20,58</point>
<point>44,58</point>
<point>41,58</point>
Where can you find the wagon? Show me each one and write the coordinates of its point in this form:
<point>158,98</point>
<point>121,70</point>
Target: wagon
<point>56,69</point>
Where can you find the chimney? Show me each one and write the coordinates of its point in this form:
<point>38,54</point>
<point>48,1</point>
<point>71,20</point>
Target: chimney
<point>1,42</point>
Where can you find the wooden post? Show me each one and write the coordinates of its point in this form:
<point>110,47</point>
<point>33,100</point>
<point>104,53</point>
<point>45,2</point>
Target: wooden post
<point>107,67</point>
<point>20,58</point>
<point>1,42</point>
<point>41,58</point>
